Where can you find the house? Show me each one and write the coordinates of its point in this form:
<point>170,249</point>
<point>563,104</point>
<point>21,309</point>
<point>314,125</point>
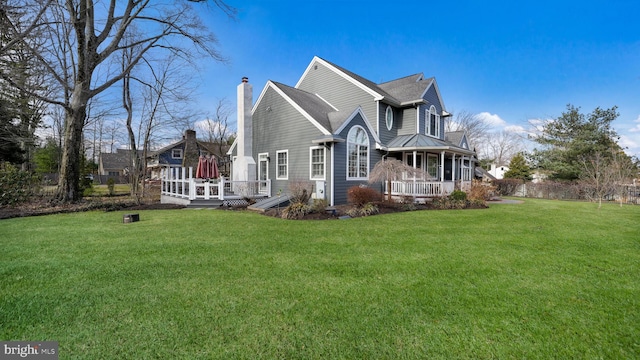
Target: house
<point>333,126</point>
<point>498,170</point>
<point>115,164</point>
<point>483,175</point>
<point>185,152</point>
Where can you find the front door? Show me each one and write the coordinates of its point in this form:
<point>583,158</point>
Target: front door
<point>263,172</point>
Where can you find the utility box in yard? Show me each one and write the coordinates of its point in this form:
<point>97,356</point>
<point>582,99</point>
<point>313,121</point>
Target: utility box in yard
<point>129,218</point>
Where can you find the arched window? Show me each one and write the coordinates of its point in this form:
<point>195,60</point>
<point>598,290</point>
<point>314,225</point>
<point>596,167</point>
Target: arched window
<point>433,122</point>
<point>388,116</point>
<point>358,153</point>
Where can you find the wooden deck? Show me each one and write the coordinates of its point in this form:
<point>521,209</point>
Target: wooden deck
<point>178,186</point>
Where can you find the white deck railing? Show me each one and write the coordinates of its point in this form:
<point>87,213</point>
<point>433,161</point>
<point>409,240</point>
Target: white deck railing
<point>420,188</point>
<point>179,182</point>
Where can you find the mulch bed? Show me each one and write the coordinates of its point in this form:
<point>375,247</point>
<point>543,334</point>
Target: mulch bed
<point>45,207</point>
<point>341,211</point>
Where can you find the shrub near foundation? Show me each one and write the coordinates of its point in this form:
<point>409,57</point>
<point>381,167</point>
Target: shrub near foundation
<point>358,196</point>
<point>458,195</point>
<point>481,192</point>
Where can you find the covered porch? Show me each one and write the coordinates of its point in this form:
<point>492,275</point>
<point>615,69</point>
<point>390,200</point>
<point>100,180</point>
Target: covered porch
<point>179,186</point>
<point>445,167</point>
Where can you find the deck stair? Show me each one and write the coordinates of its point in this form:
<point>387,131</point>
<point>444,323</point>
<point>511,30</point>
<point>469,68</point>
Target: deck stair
<point>270,203</point>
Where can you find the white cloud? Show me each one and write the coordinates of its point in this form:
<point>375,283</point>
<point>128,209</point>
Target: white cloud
<point>515,129</point>
<point>627,143</point>
<point>637,127</point>
<point>491,119</point>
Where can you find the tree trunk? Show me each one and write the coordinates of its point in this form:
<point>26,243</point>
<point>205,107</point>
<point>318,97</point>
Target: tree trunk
<point>69,180</point>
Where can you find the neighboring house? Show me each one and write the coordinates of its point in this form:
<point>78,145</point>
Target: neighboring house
<point>333,126</point>
<point>185,153</point>
<point>484,175</point>
<point>498,170</point>
<point>115,164</point>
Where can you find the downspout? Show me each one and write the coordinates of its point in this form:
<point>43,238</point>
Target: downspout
<point>333,175</point>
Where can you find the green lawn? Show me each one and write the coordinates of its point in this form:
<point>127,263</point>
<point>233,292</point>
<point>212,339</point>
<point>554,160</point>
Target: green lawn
<point>539,280</point>
<point>118,189</point>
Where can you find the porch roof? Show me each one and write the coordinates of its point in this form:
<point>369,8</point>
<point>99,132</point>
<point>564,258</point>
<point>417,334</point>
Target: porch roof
<point>423,142</point>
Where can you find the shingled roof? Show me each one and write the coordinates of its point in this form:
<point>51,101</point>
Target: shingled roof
<point>403,91</point>
<point>313,105</point>
<point>454,137</point>
<point>117,160</point>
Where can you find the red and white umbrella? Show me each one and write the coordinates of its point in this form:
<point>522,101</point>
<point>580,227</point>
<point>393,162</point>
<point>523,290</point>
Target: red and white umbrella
<point>214,173</point>
<point>207,168</point>
<point>200,169</point>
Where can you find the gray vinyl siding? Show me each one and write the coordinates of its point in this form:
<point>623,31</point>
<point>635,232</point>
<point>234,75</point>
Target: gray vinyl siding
<point>432,99</point>
<point>384,134</point>
<point>339,92</point>
<point>340,163</point>
<point>408,122</point>
<point>282,127</point>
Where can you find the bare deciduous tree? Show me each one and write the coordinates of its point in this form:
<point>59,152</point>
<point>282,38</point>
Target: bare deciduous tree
<point>501,146</point>
<point>164,93</point>
<point>217,130</point>
<point>78,47</point>
<point>597,177</point>
<point>471,124</point>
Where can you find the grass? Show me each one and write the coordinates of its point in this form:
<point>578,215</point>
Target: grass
<point>103,190</point>
<point>540,280</point>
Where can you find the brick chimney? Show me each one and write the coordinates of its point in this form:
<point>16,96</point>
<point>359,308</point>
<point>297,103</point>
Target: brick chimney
<point>191,153</point>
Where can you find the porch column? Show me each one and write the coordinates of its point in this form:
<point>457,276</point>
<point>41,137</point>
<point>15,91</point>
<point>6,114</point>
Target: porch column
<point>462,168</point>
<point>414,158</point>
<point>453,168</point>
<point>442,166</point>
<point>414,175</point>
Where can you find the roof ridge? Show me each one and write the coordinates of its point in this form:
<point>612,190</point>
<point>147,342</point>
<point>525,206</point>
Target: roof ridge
<point>420,74</point>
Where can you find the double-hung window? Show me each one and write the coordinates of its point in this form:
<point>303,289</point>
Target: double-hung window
<point>176,153</point>
<point>317,161</point>
<point>282,164</point>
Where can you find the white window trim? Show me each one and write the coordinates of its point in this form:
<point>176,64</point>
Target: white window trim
<point>179,151</point>
<point>432,110</point>
<point>368,153</point>
<point>265,157</point>
<point>324,163</point>
<point>278,176</point>
<point>437,165</point>
<point>388,111</point>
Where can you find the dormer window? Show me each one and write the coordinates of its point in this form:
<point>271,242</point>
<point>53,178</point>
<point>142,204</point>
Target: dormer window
<point>388,116</point>
<point>432,122</point>
<point>176,153</point>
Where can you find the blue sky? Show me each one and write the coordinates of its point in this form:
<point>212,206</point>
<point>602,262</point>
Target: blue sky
<point>512,62</point>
